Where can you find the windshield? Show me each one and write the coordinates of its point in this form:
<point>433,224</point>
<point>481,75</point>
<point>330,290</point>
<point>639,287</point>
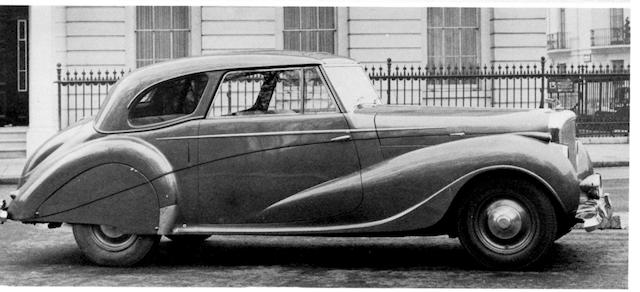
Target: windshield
<point>353,86</point>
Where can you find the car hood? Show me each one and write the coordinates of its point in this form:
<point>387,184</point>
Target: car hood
<point>470,121</point>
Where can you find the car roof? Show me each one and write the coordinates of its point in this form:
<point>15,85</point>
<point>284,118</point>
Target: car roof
<point>244,59</point>
<point>136,81</point>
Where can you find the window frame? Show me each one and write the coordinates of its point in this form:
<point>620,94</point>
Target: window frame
<point>478,36</point>
<point>332,94</point>
<point>194,115</point>
<point>189,33</point>
<point>335,28</point>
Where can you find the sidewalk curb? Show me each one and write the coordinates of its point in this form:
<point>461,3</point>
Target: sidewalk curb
<point>610,163</point>
<point>9,180</point>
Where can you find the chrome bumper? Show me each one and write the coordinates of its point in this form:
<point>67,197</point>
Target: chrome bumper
<point>597,207</point>
<point>4,215</point>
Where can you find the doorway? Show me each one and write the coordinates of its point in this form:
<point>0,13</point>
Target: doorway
<point>14,74</point>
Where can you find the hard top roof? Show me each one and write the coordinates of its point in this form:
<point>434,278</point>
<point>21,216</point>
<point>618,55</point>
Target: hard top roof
<point>245,59</point>
<point>134,82</point>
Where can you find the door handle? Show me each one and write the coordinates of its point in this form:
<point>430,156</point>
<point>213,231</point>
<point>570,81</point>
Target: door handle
<point>341,138</point>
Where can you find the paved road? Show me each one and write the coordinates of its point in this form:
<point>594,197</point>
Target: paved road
<point>37,256</point>
<point>33,255</point>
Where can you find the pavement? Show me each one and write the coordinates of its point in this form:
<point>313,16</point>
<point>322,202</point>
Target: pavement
<point>608,155</point>
<point>10,170</point>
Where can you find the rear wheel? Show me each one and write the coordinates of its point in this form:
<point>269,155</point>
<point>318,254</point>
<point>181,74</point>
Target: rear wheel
<point>507,226</point>
<point>106,246</point>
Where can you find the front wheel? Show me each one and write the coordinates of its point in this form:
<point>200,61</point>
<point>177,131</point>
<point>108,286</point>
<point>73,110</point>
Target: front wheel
<point>509,225</point>
<point>104,245</point>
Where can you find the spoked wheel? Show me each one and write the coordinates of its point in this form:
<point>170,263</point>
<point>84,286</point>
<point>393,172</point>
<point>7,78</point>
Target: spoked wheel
<point>104,245</point>
<point>507,226</point>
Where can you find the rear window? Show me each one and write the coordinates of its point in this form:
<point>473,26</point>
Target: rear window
<point>168,100</point>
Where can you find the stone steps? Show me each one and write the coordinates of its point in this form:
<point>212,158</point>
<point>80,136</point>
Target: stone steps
<point>13,142</point>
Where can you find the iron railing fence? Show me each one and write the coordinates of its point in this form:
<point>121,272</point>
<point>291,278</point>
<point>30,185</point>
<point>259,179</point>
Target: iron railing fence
<point>80,94</point>
<point>610,36</point>
<point>598,94</point>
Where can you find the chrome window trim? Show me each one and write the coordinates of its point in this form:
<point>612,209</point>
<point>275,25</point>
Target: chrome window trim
<point>209,115</point>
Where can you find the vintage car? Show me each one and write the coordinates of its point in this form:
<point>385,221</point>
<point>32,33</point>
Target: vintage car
<point>283,143</point>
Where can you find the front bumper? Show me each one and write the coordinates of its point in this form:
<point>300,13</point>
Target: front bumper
<point>596,208</point>
<point>4,214</point>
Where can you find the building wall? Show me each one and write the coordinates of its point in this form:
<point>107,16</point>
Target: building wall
<point>578,25</point>
<point>95,36</point>
<point>103,36</point>
<point>518,35</point>
<point>238,28</point>
<point>376,34</point>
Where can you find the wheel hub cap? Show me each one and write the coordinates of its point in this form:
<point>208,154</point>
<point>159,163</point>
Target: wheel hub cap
<point>505,219</point>
<point>109,238</point>
<point>505,226</point>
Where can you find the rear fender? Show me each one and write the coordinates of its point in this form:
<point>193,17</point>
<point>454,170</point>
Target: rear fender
<point>115,180</point>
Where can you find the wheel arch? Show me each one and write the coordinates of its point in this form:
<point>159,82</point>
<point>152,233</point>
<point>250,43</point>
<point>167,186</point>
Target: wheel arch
<point>447,223</point>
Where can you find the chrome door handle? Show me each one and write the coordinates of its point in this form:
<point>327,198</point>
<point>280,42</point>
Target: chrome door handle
<point>341,138</point>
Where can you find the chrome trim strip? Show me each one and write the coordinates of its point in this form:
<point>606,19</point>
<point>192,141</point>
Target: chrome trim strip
<point>341,138</point>
<point>257,134</point>
<point>219,228</point>
<point>303,132</point>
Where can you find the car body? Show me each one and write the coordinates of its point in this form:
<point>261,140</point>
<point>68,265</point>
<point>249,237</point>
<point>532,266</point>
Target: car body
<point>298,144</point>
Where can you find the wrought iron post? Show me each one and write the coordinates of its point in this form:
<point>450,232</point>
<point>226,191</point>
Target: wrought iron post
<point>59,71</point>
<point>542,61</point>
<point>388,80</point>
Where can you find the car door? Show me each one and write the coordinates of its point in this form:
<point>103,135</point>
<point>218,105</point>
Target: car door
<point>271,143</point>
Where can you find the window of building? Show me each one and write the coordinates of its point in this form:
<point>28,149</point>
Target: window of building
<point>616,30</point>
<point>616,17</point>
<point>310,29</point>
<point>453,36</point>
<point>283,91</point>
<point>162,33</point>
<point>617,65</point>
<point>23,62</point>
<point>563,29</point>
<point>562,68</point>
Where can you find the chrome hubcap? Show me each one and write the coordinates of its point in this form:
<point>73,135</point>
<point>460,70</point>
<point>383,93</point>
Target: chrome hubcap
<point>109,238</point>
<point>505,226</point>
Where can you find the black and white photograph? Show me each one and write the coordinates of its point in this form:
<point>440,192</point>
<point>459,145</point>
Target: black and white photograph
<point>316,144</point>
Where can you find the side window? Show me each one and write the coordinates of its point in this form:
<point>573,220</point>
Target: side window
<point>168,100</point>
<point>317,98</point>
<point>263,92</point>
<point>258,93</point>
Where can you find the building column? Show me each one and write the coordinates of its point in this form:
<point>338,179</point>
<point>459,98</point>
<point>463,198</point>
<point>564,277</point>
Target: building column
<point>46,42</point>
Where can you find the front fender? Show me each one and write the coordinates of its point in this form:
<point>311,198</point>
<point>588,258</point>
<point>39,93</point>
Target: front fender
<point>91,173</point>
<point>414,190</point>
